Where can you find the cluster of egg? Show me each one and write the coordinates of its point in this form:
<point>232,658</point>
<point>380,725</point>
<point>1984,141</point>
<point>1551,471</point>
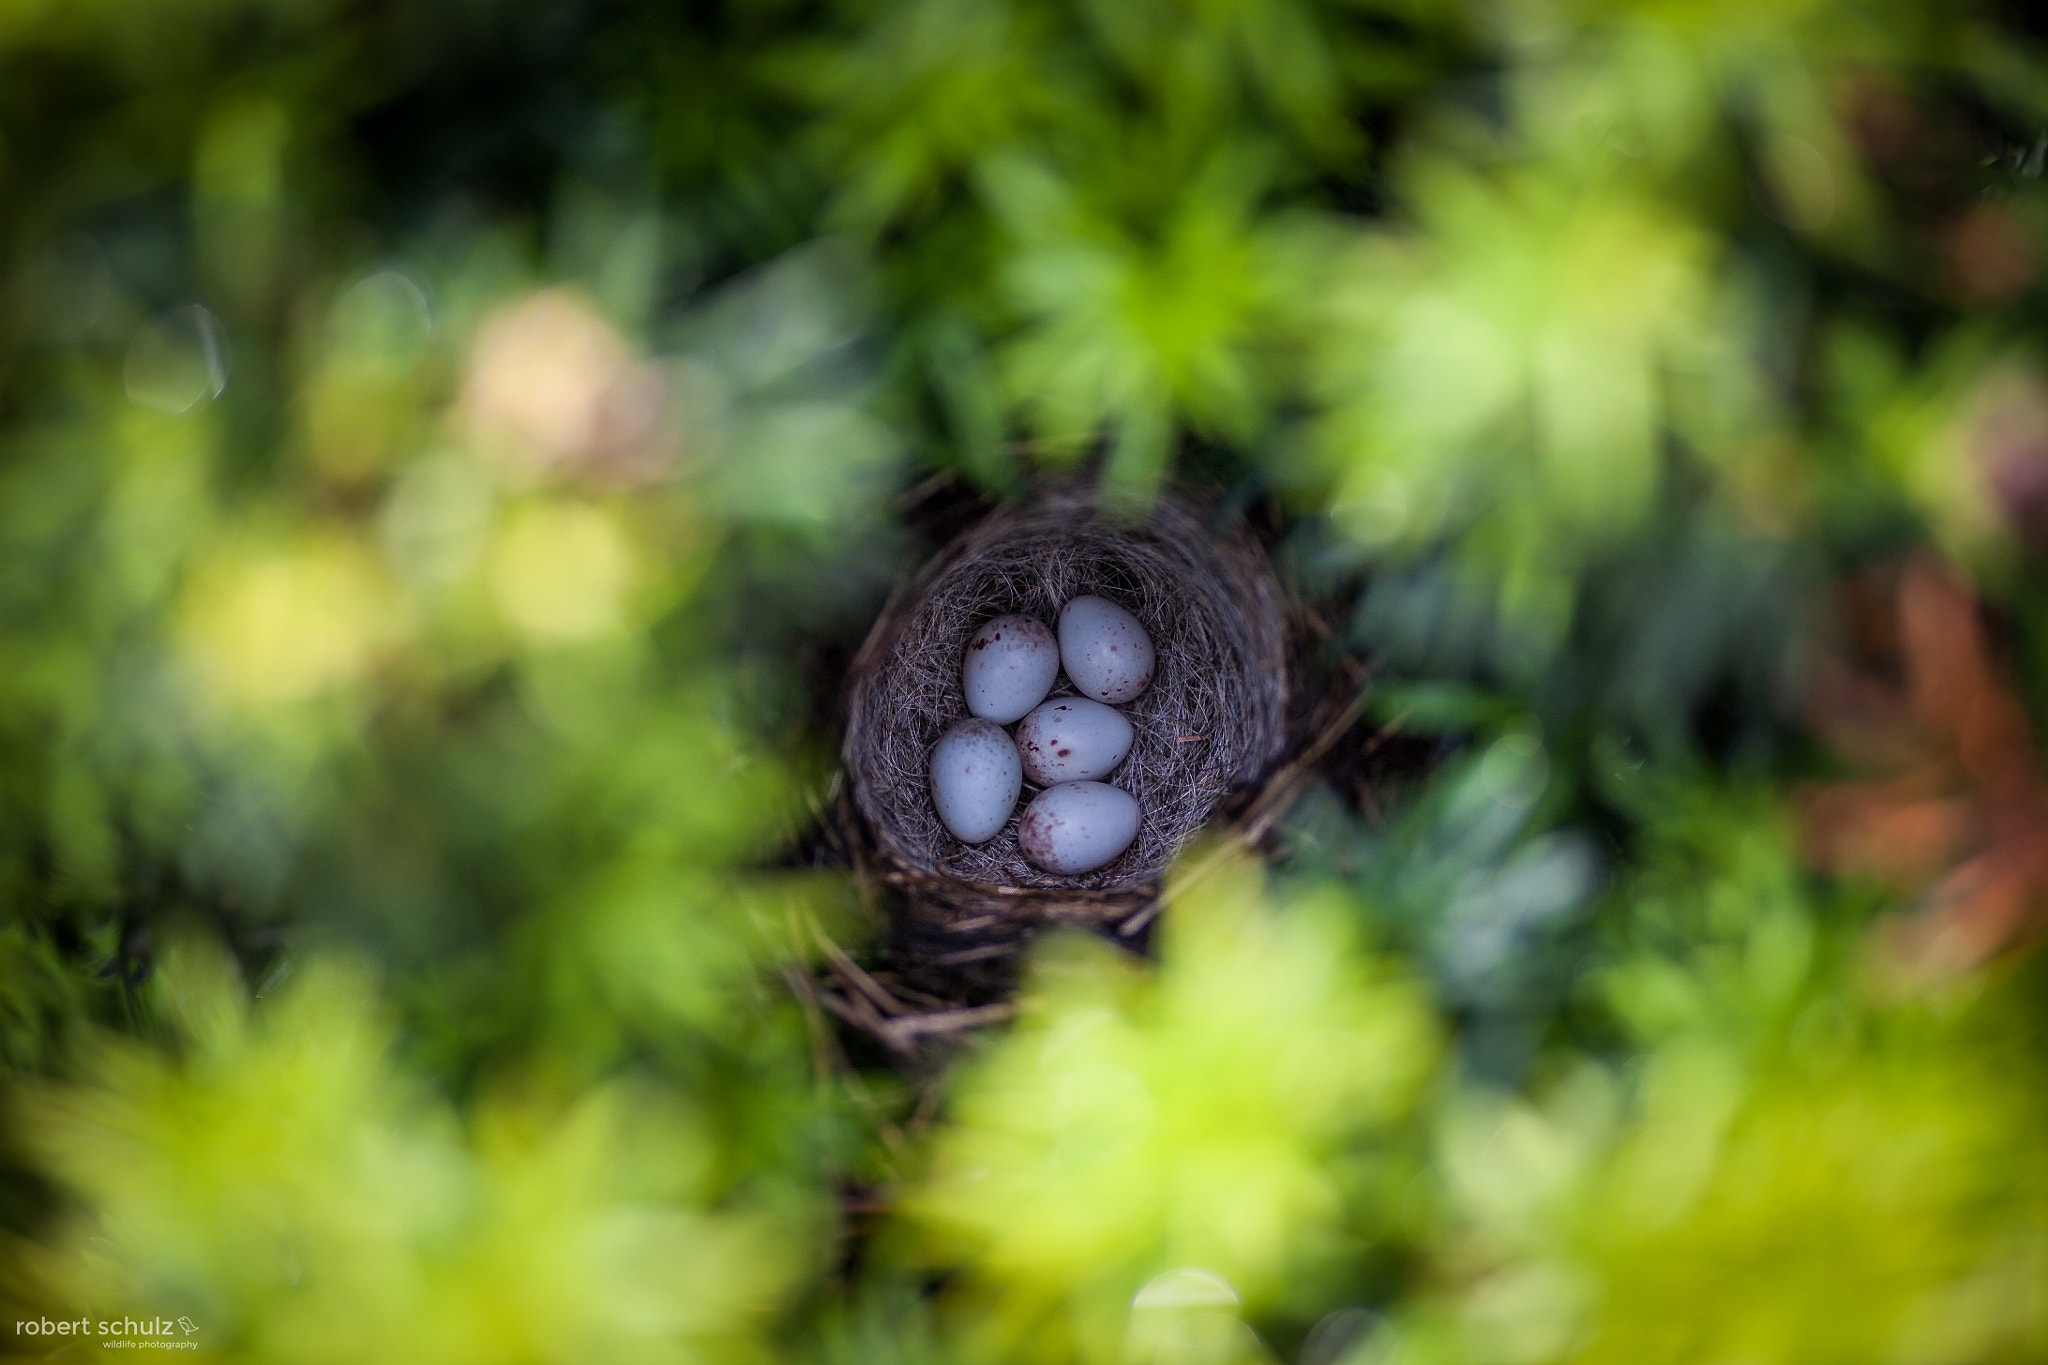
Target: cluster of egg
<point>1078,822</point>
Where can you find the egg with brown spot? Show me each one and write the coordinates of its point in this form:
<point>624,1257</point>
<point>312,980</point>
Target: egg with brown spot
<point>1009,666</point>
<point>1072,739</point>
<point>1078,826</point>
<point>1107,654</point>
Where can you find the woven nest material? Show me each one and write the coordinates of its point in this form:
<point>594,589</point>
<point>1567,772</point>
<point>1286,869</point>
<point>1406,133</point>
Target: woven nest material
<point>1212,720</point>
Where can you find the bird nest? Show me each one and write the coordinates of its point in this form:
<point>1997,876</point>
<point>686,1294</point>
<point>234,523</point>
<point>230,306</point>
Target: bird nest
<point>1212,720</point>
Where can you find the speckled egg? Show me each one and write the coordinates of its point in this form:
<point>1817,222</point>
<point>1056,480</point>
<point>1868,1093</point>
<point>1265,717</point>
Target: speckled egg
<point>975,779</point>
<point>1009,667</point>
<point>1078,826</point>
<point>1108,655</point>
<point>1072,740</point>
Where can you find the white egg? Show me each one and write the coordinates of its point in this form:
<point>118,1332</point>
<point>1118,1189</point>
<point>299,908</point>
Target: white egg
<point>1078,826</point>
<point>1009,668</point>
<point>1072,739</point>
<point>975,779</point>
<point>1107,653</point>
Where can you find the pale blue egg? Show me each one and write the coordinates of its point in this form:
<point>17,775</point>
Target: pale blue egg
<point>976,776</point>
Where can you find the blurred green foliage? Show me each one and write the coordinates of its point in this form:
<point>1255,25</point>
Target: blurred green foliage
<point>449,452</point>
<point>1219,1119</point>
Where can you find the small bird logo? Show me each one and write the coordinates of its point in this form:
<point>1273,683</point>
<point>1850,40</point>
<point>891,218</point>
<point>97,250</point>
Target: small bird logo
<point>189,1325</point>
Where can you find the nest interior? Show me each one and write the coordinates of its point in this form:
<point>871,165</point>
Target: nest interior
<point>1212,719</point>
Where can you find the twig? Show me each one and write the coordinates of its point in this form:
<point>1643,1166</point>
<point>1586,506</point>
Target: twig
<point>967,955</point>
<point>856,1011</point>
<point>978,922</point>
<point>913,996</point>
<point>851,972</point>
<point>901,1031</point>
<point>827,1057</point>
